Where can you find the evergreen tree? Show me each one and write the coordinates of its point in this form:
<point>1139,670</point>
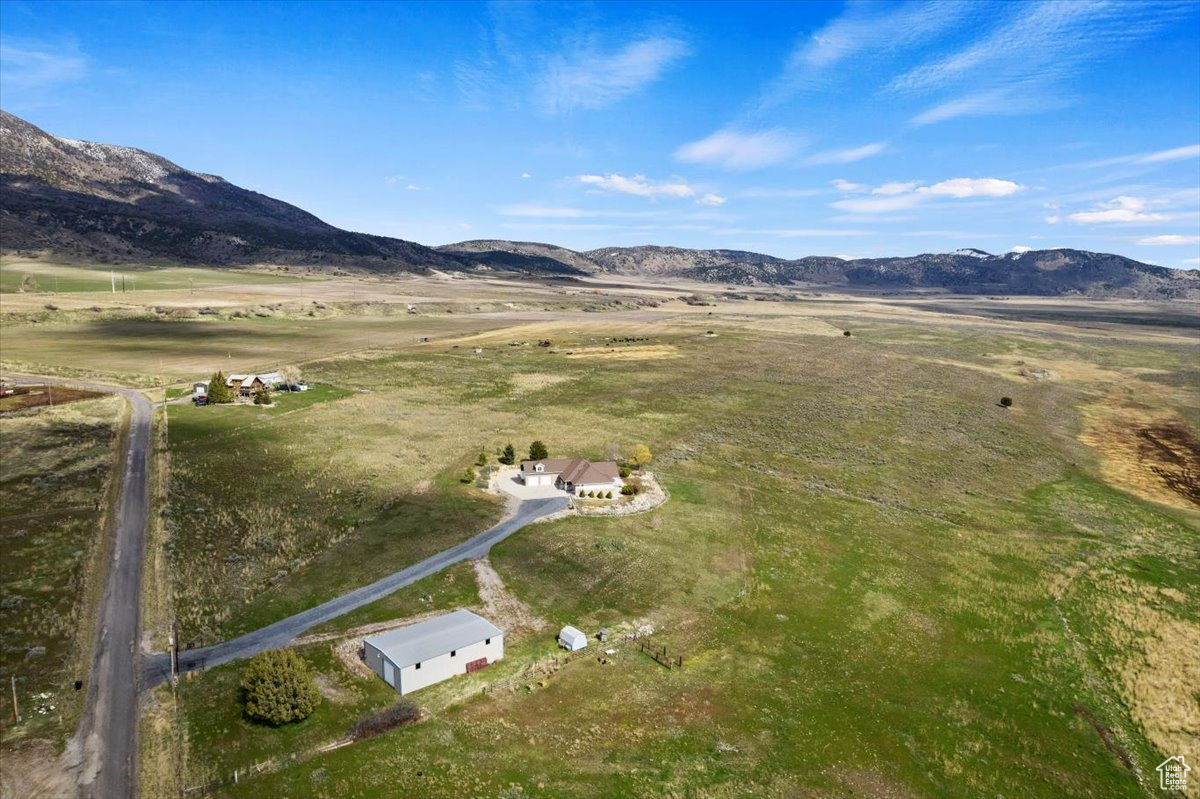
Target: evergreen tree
<point>218,392</point>
<point>278,689</point>
<point>538,451</point>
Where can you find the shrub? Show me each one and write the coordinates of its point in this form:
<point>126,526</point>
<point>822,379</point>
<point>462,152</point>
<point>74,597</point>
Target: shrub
<point>623,470</point>
<point>608,495</point>
<point>468,475</point>
<point>509,456</point>
<point>278,689</point>
<point>581,493</point>
<point>403,712</point>
<point>482,459</point>
<point>538,451</point>
<point>846,333</point>
<point>1006,402</point>
<point>262,397</point>
<point>218,392</point>
<point>591,495</point>
<point>640,455</point>
<point>628,490</point>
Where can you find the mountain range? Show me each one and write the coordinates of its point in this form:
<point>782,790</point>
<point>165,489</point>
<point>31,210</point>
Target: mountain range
<point>106,203</point>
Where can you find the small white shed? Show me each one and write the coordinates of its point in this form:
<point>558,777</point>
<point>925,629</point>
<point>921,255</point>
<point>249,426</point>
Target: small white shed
<point>571,639</point>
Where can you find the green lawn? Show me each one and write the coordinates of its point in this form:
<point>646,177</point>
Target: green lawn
<point>62,278</point>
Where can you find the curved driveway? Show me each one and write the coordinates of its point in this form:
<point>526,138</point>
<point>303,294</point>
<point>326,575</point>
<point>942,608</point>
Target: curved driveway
<point>158,667</point>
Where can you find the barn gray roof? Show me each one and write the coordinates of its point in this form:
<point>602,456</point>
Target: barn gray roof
<point>427,639</point>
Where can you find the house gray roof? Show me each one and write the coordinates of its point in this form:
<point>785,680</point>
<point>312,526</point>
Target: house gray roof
<point>427,639</point>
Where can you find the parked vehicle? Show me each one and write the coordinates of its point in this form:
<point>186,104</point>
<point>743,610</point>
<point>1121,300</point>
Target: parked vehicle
<point>200,400</point>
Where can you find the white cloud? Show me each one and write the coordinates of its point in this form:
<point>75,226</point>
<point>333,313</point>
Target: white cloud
<point>568,212</point>
<point>1168,240</point>
<point>733,149</point>
<point>595,80</point>
<point>412,187</point>
<point>846,156</point>
<point>1052,220</point>
<point>525,176</point>
<point>1021,248</point>
<point>711,199</point>
<point>900,196</point>
<point>392,180</point>
<point>1123,209</point>
<point>639,186</point>
<point>888,189</point>
<point>1193,261</point>
<point>972,187</point>
<point>30,64</point>
<point>847,186</point>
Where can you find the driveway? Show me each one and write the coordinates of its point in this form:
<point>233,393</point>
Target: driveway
<point>507,481</point>
<point>157,668</point>
<point>103,749</point>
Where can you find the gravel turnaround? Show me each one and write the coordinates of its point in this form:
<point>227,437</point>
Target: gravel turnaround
<point>157,667</point>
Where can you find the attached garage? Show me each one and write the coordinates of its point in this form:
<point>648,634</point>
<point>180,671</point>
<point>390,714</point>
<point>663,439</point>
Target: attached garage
<point>431,651</point>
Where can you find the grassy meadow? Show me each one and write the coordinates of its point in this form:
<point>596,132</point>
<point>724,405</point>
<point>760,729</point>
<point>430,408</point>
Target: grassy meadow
<point>882,583</point>
<point>54,478</point>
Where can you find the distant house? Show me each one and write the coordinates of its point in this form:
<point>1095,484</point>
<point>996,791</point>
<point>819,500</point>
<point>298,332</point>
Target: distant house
<point>429,652</point>
<point>571,639</point>
<point>574,476</point>
<point>249,385</point>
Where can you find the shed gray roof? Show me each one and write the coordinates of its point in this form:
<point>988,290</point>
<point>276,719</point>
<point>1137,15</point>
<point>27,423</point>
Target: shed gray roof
<point>427,639</point>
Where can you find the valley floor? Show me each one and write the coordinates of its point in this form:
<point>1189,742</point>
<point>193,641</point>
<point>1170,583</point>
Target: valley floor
<point>881,582</point>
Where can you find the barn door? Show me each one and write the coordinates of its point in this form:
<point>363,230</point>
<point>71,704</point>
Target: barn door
<point>389,673</point>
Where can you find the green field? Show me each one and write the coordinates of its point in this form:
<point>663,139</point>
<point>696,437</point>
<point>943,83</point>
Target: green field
<point>882,583</point>
<point>53,475</point>
<point>51,278</point>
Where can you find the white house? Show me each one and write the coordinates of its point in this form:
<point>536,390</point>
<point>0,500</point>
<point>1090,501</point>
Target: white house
<point>571,639</point>
<point>428,652</point>
<point>575,476</point>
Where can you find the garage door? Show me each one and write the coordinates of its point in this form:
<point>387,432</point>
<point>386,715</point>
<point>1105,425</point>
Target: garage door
<point>389,673</point>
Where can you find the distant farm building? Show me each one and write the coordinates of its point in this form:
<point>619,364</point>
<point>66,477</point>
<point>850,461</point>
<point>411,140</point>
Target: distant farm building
<point>429,652</point>
<point>242,385</point>
<point>575,476</point>
<point>571,639</point>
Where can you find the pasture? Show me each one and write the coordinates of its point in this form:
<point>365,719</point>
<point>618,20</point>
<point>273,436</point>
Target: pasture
<point>882,582</point>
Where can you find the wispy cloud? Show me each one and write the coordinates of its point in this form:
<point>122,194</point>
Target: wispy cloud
<point>29,64</point>
<point>1121,210</point>
<point>1168,240</point>
<point>711,199</point>
<point>641,186</point>
<point>1142,159</point>
<point>1021,65</point>
<point>900,196</point>
<point>848,155</point>
<point>737,150</point>
<point>847,186</point>
<point>594,79</point>
<point>761,192</point>
<point>863,31</point>
<point>570,212</point>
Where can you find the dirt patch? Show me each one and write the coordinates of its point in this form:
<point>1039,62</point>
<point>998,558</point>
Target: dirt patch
<point>652,352</point>
<point>501,606</point>
<point>1155,457</point>
<point>33,771</point>
<point>24,398</point>
<point>526,383</point>
<point>331,690</point>
<point>349,652</point>
<point>1105,735</point>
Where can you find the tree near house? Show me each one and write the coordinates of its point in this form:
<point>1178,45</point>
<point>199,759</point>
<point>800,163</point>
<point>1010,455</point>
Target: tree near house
<point>640,456</point>
<point>218,392</point>
<point>509,456</point>
<point>262,397</point>
<point>290,374</point>
<point>277,688</point>
<point>538,451</point>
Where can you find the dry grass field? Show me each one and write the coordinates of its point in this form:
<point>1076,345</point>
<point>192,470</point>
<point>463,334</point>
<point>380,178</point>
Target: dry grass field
<point>882,583</point>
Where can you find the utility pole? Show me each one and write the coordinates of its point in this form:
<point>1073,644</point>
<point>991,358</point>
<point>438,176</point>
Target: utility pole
<point>16,712</point>
<point>113,275</point>
<point>50,393</point>
<point>122,282</point>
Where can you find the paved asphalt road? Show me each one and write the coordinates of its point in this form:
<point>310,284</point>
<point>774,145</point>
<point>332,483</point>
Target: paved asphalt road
<point>106,742</point>
<point>157,667</point>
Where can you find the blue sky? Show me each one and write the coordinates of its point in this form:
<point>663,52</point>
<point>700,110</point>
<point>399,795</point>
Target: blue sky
<point>795,129</point>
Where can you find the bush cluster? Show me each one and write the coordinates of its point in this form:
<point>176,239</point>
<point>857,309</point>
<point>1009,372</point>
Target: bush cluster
<point>403,712</point>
